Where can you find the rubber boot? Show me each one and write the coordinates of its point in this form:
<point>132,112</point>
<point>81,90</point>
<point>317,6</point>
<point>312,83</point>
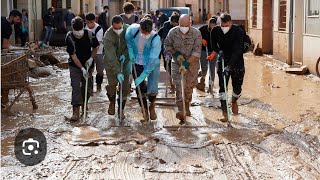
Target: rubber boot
<point>145,116</point>
<point>98,87</point>
<point>179,114</point>
<point>224,110</point>
<point>188,112</point>
<point>82,109</point>
<point>153,115</point>
<point>201,86</point>
<point>145,106</point>
<point>123,105</point>
<point>234,105</point>
<point>111,109</point>
<point>75,114</point>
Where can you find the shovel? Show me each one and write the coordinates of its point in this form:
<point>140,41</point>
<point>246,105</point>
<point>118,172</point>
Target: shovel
<point>210,79</point>
<point>85,98</point>
<point>225,88</point>
<point>139,91</point>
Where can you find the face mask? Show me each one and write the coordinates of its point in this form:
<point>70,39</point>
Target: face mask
<point>78,33</point>
<point>145,36</point>
<point>118,31</point>
<point>128,16</point>
<point>184,30</point>
<point>70,11</point>
<point>225,29</point>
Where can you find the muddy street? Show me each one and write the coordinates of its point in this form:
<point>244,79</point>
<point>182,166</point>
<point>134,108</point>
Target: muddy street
<point>275,136</point>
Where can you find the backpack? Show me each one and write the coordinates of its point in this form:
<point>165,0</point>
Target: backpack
<point>246,40</point>
<point>90,34</point>
<point>136,18</point>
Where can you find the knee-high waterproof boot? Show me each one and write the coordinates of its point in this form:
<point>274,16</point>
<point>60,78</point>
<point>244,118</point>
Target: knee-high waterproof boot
<point>153,115</point>
<point>224,110</point>
<point>111,109</point>
<point>123,105</point>
<point>234,105</point>
<point>75,114</point>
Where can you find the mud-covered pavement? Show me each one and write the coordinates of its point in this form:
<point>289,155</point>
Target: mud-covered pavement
<point>276,134</point>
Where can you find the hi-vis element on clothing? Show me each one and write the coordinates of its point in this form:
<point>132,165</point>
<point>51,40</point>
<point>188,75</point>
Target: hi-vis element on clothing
<point>115,46</point>
<point>188,44</point>
<point>150,56</point>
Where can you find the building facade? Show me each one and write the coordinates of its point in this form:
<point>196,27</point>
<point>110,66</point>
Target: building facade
<point>290,30</point>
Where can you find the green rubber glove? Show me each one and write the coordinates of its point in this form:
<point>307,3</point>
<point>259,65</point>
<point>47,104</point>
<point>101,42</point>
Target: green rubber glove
<point>120,77</point>
<point>185,64</point>
<point>139,80</point>
<point>122,58</point>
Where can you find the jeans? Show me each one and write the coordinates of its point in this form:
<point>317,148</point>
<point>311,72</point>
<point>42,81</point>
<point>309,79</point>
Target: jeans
<point>47,34</point>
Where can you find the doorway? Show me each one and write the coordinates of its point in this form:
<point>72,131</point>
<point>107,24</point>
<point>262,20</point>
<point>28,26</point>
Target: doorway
<point>267,27</point>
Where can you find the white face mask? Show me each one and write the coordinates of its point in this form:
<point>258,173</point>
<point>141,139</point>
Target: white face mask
<point>184,30</point>
<point>145,36</point>
<point>225,29</point>
<point>118,31</point>
<point>78,33</point>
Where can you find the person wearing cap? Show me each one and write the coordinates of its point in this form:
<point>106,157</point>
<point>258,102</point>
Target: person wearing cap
<point>206,31</point>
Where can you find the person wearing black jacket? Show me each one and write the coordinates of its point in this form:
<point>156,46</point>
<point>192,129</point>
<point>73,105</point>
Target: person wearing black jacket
<point>163,32</point>
<point>206,32</point>
<point>48,23</point>
<point>230,40</point>
<point>103,19</point>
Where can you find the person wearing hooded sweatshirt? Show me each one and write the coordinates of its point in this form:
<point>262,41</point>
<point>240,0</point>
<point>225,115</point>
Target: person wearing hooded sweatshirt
<point>184,43</point>
<point>230,40</point>
<point>116,46</point>
<point>206,31</point>
<point>128,16</point>
<point>144,47</point>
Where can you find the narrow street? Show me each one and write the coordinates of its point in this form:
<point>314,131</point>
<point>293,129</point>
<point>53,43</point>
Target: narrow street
<point>275,136</point>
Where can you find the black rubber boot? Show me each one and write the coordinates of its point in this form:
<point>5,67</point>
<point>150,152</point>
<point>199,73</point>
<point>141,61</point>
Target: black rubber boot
<point>111,109</point>
<point>123,105</point>
<point>152,111</point>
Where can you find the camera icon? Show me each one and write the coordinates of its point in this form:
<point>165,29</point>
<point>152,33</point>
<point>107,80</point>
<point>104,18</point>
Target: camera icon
<point>29,146</point>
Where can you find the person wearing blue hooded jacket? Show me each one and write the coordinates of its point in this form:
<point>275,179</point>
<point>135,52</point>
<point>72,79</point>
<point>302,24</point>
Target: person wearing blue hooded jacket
<point>144,47</point>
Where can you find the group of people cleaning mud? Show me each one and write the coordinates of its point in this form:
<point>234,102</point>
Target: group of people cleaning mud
<point>133,49</point>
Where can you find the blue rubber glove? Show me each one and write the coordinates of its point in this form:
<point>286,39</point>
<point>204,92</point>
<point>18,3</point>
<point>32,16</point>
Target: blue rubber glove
<point>122,58</point>
<point>120,77</point>
<point>131,55</point>
<point>139,80</point>
<point>185,64</point>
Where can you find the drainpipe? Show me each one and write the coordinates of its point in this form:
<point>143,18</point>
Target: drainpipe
<point>290,52</point>
<point>246,20</point>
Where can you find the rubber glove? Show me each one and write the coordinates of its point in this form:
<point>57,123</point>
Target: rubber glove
<point>120,78</point>
<point>84,73</point>
<point>178,56</point>
<point>226,71</point>
<point>89,62</point>
<point>122,58</point>
<point>131,55</point>
<point>185,64</point>
<point>204,42</point>
<point>139,80</point>
<point>211,56</point>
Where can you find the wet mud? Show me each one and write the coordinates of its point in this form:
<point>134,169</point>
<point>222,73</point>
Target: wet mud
<point>275,136</point>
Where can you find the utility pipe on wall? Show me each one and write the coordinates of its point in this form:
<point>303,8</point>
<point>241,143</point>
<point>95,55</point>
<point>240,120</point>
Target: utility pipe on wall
<point>290,51</point>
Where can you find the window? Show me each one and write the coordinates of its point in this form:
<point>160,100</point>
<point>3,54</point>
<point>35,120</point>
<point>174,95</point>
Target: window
<point>313,8</point>
<point>282,15</point>
<point>254,13</point>
<point>68,3</point>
